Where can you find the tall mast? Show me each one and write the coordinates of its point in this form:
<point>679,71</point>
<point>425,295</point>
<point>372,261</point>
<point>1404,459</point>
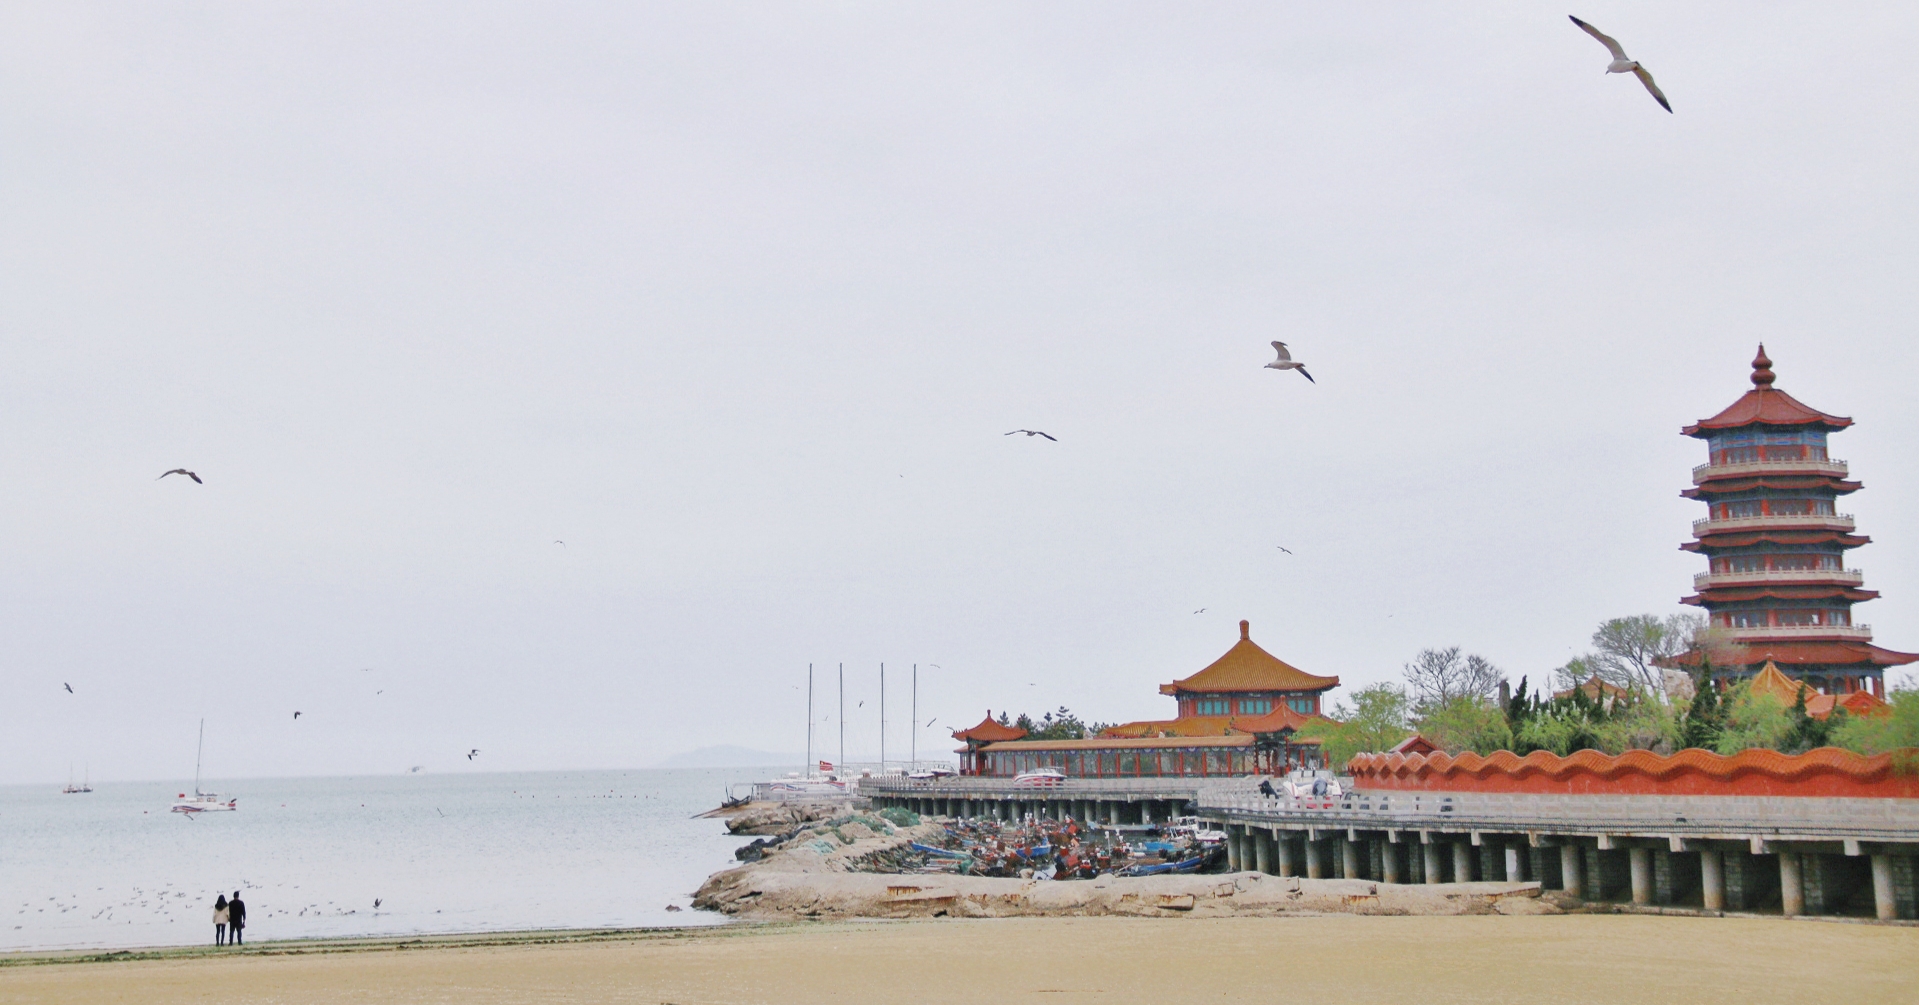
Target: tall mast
<point>196,756</point>
<point>842,763</point>
<point>913,743</point>
<point>882,718</point>
<point>812,766</point>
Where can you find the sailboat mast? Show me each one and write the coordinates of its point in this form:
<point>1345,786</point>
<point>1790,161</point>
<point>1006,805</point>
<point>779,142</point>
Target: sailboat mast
<point>842,764</point>
<point>812,766</point>
<point>882,718</point>
<point>913,744</point>
<point>201,749</point>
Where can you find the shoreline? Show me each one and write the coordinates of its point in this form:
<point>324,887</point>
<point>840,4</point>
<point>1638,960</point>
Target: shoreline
<point>1357,958</point>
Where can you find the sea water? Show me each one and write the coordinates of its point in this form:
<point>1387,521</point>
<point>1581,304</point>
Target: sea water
<point>440,853</point>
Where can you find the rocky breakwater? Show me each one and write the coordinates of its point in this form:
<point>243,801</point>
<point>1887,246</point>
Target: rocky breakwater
<point>775,816</point>
<point>825,871</point>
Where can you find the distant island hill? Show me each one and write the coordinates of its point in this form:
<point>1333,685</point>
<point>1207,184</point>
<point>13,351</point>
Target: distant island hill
<point>1787,828</point>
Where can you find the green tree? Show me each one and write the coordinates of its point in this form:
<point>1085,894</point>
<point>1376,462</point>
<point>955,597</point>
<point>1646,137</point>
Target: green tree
<point>1378,718</point>
<point>1753,720</point>
<point>1466,723</point>
<point>1897,729</point>
<point>1706,716</point>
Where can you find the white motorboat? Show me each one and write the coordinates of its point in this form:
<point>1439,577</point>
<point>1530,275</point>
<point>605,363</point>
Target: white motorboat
<point>203,802</point>
<point>1040,778</point>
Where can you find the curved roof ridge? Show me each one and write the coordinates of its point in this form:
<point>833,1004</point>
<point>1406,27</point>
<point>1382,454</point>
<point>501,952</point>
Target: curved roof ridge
<point>1247,667</point>
<point>1767,405</point>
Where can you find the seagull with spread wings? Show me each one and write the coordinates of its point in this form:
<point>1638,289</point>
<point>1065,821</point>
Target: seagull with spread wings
<point>182,471</point>
<point>1285,362</point>
<point>1034,432</point>
<point>1621,64</point>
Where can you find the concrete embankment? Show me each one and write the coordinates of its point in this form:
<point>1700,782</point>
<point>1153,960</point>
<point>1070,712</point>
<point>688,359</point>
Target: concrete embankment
<point>813,876</point>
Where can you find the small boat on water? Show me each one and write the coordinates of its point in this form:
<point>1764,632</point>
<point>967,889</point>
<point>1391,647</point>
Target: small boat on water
<point>85,782</point>
<point>203,802</point>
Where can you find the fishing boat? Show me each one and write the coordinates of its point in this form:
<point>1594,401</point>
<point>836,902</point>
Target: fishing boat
<point>203,802</point>
<point>85,782</point>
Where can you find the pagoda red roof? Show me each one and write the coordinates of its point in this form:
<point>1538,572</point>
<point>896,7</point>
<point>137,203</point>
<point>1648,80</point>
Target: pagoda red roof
<point>1717,486</point>
<point>1247,667</point>
<point>989,730</point>
<point>1214,725</point>
<point>1767,405</point>
<point>1724,540</point>
<point>1723,594</point>
<point>1279,718</point>
<point>1833,653</point>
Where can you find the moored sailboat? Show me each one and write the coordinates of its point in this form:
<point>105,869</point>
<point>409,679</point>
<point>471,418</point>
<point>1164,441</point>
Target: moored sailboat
<point>203,802</point>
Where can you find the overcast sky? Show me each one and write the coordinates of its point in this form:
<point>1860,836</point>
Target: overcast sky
<point>736,300</point>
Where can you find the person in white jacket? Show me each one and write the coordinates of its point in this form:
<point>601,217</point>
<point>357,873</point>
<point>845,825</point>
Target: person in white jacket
<point>220,921</point>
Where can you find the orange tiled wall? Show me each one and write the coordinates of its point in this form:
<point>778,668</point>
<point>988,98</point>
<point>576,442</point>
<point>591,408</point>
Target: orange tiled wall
<point>1827,771</point>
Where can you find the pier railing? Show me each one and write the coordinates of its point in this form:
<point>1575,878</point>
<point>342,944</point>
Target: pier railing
<point>977,787</point>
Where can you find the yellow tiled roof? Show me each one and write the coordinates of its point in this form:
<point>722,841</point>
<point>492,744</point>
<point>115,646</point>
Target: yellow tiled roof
<point>1247,667</point>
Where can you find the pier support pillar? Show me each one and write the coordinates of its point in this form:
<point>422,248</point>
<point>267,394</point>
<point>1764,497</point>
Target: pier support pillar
<point>1263,854</point>
<point>1233,855</point>
<point>1515,873</point>
<point>1712,880</point>
<point>1462,861</point>
<point>1569,870</point>
<point>1792,892</point>
<point>1389,861</point>
<point>1640,859</point>
<point>1283,844</point>
<point>1315,868</point>
<point>1349,860</point>
<point>1429,860</point>
<point>1885,901</point>
<point>1146,812</point>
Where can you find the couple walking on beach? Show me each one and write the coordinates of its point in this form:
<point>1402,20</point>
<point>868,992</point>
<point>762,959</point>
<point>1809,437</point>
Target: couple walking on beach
<point>229,914</point>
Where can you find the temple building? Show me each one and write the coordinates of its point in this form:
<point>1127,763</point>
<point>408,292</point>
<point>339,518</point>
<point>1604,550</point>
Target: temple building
<point>1777,590</point>
<point>1238,716</point>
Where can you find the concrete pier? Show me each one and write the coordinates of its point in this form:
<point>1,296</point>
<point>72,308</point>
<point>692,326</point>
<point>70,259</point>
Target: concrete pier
<point>1262,851</point>
<point>1792,891</point>
<point>1283,843</point>
<point>1515,873</point>
<point>1349,860</point>
<point>1641,859</point>
<point>1429,854</point>
<point>1569,870</point>
<point>1712,880</point>
<point>1462,862</point>
<point>1315,869</point>
<point>1885,902</point>
<point>1389,862</point>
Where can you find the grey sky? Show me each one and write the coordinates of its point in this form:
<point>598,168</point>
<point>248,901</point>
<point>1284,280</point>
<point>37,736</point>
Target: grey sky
<point>737,300</point>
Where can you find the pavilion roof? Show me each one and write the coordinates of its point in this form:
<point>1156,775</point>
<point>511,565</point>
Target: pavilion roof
<point>1192,725</point>
<point>1130,743</point>
<point>1765,404</point>
<point>1247,667</point>
<point>1839,652</point>
<point>1594,688</point>
<point>989,730</point>
<point>1773,681</point>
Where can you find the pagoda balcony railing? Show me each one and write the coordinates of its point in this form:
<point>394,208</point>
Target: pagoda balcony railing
<point>1705,472</point>
<point>1775,521</point>
<point>1845,577</point>
<point>1764,633</point>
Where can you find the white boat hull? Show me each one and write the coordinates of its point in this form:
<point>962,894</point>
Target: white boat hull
<point>205,802</point>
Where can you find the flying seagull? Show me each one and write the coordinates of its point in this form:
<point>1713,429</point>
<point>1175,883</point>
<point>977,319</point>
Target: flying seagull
<point>189,474</point>
<point>1035,432</point>
<point>1285,362</point>
<point>296,715</point>
<point>376,903</point>
<point>1200,611</point>
<point>1620,64</point>
<point>560,543</point>
<point>1283,548</point>
<point>933,720</point>
<point>473,753</point>
<point>68,686</point>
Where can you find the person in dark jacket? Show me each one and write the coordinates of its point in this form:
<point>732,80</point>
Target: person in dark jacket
<point>236,916</point>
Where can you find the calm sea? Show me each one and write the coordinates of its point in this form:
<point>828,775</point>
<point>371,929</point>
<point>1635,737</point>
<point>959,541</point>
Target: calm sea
<point>440,853</point>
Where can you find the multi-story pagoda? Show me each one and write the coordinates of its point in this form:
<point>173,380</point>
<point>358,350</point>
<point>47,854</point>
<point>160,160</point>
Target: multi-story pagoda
<point>1777,588</point>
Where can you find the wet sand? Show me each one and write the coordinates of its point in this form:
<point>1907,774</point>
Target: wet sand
<point>1333,959</point>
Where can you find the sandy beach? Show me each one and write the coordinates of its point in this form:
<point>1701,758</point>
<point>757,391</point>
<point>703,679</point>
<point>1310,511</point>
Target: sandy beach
<point>1357,959</point>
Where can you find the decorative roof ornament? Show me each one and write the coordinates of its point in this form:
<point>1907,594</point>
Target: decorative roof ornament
<point>1762,375</point>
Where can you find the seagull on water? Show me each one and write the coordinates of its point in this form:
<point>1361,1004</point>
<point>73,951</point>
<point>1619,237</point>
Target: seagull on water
<point>1035,432</point>
<point>1620,64</point>
<point>182,471</point>
<point>1285,362</point>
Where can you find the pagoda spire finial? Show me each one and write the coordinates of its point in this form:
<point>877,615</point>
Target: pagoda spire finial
<point>1245,630</point>
<point>1762,375</point>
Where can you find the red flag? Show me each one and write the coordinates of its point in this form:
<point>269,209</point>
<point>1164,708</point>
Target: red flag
<point>826,765</point>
